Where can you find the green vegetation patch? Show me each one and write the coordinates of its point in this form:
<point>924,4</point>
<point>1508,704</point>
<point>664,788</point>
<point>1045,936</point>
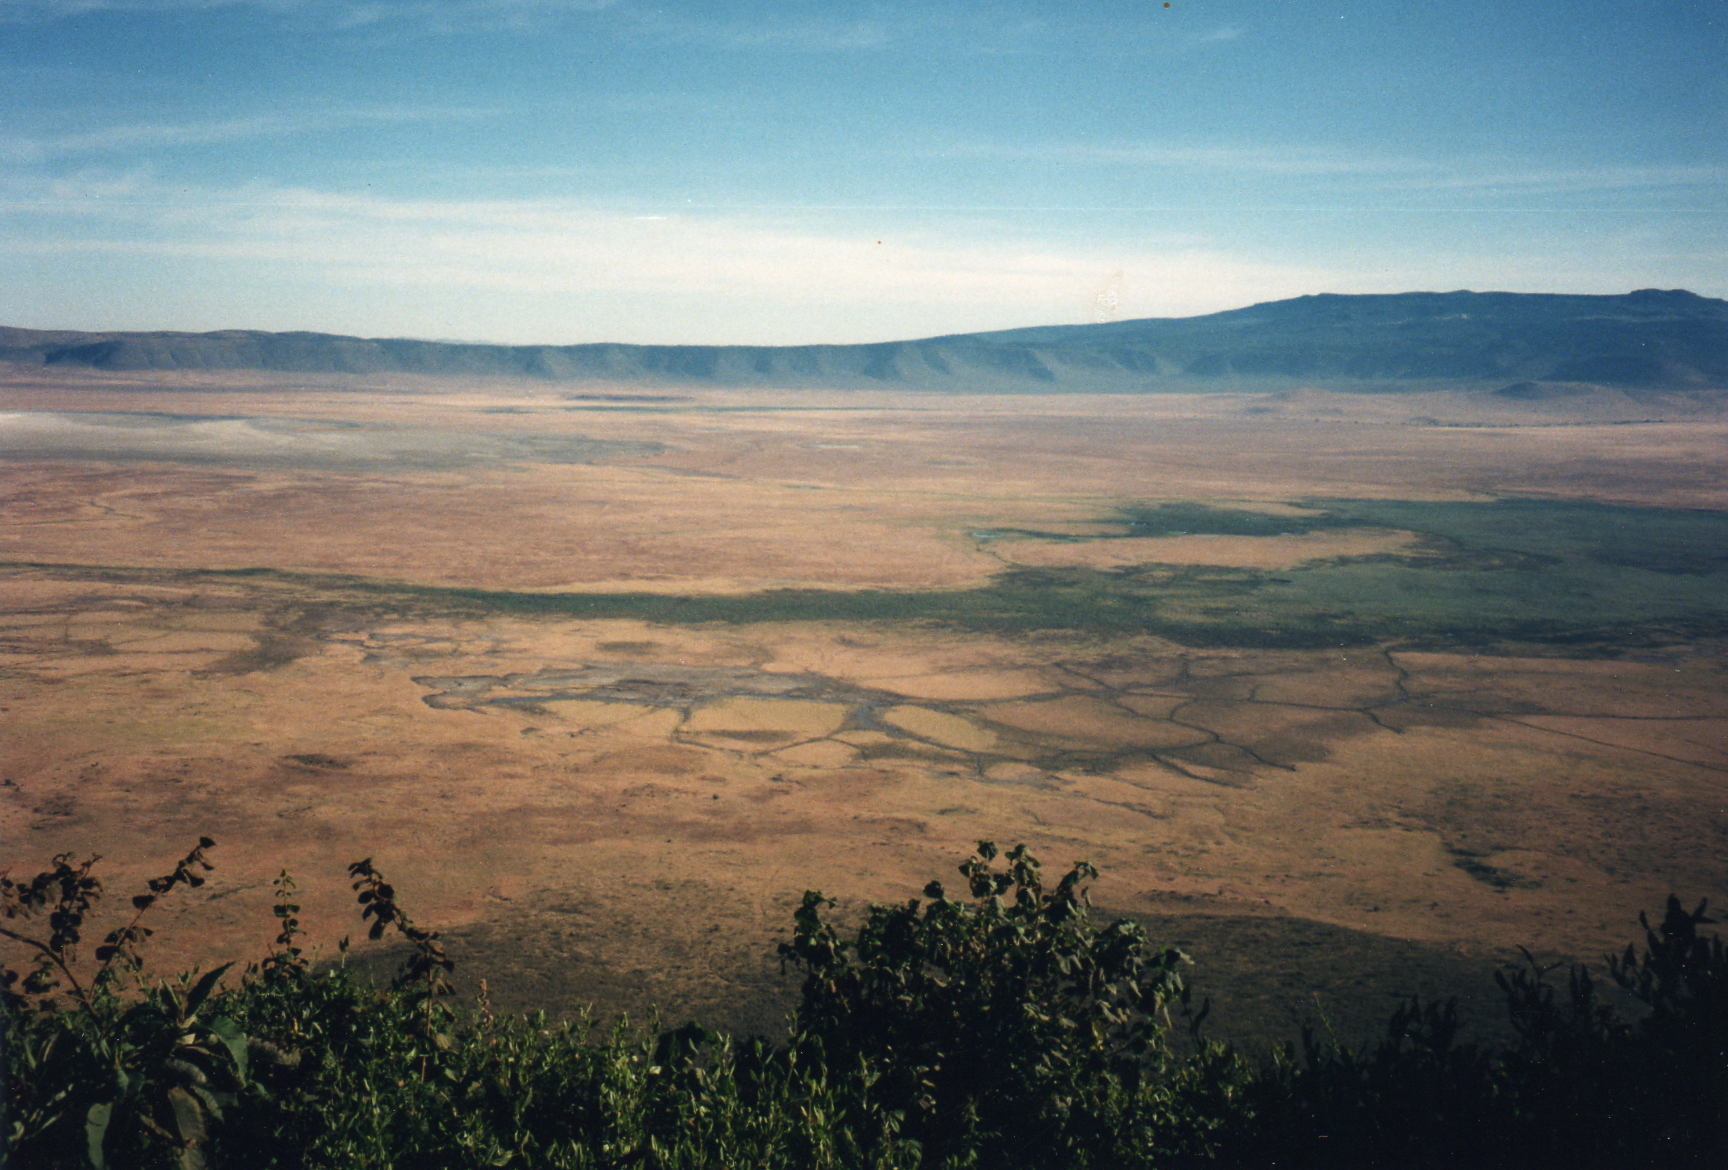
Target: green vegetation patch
<point>1514,571</point>
<point>1544,572</point>
<point>1186,518</point>
<point>1585,577</point>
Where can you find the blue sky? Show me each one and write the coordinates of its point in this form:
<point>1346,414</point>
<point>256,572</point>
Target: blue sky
<point>795,171</point>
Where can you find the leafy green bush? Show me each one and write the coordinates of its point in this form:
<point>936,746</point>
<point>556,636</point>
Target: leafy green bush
<point>144,1076</point>
<point>293,1065</point>
<point>1582,1085</point>
<point>1003,1029</point>
<point>1008,1027</point>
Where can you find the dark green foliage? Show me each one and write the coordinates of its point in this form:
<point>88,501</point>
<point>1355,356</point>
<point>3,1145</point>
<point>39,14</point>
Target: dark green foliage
<point>427,968</point>
<point>1006,1028</point>
<point>1582,1085</point>
<point>297,1065</point>
<point>122,1077</point>
<point>1420,1096</point>
<point>1185,517</point>
<point>1681,978</point>
<point>1589,1079</point>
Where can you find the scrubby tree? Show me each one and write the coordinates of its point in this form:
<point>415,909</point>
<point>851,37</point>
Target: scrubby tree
<point>1010,1025</point>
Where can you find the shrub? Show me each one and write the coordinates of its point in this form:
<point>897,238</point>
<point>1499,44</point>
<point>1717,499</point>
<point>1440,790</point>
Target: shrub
<point>1008,1027</point>
<point>1582,1085</point>
<point>1005,1028</point>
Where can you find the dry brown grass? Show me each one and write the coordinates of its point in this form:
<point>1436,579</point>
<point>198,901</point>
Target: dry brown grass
<point>662,834</point>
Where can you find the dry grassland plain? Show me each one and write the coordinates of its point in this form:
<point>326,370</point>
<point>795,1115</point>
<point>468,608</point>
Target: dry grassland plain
<point>1352,694</point>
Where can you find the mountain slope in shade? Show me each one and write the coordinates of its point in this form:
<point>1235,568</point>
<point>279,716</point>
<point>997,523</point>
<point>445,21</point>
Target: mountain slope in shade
<point>1647,339</point>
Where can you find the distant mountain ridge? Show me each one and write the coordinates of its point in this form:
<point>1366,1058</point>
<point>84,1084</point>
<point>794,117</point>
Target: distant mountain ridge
<point>1652,338</point>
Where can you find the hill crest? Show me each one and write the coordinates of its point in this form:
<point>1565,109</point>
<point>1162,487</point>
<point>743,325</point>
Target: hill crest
<point>1648,339</point>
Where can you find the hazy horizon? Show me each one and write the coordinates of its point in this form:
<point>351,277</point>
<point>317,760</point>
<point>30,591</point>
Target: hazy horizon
<point>531,344</point>
<point>566,171</point>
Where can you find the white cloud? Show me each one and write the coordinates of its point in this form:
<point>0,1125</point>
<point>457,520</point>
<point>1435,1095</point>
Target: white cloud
<point>1223,34</point>
<point>1257,160</point>
<point>822,35</point>
<point>143,136</point>
<point>782,278</point>
<point>39,10</point>
<point>1509,177</point>
<point>772,28</point>
<point>336,13</point>
<point>1372,173</point>
<point>454,15</point>
<point>125,249</point>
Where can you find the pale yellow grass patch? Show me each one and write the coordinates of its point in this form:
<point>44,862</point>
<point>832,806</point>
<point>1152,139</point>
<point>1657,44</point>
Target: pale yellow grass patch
<point>1024,775</point>
<point>1153,706</point>
<point>25,593</point>
<point>1561,686</point>
<point>1696,741</point>
<point>1092,722</point>
<point>669,584</point>
<point>104,629</point>
<point>884,658</point>
<point>866,739</point>
<point>593,714</point>
<point>761,723</point>
<point>227,622</point>
<point>820,754</point>
<point>187,642</point>
<point>969,685</point>
<point>941,728</point>
<point>654,724</point>
<point>102,665</point>
<point>149,663</point>
<point>30,621</point>
<point>1081,528</point>
<point>1112,789</point>
<point>1346,687</point>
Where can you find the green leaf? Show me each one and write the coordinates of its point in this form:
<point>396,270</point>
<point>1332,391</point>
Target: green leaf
<point>202,989</point>
<point>213,1103</point>
<point>189,1114</point>
<point>96,1132</point>
<point>234,1040</point>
